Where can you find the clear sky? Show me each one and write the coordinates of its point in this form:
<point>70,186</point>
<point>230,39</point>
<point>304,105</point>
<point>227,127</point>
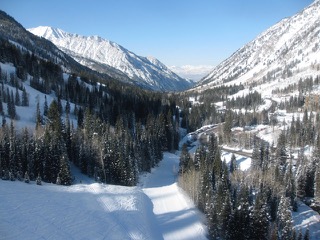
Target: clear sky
<point>177,32</point>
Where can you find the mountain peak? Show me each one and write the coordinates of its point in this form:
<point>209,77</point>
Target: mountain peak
<point>46,32</point>
<point>289,47</point>
<point>91,51</point>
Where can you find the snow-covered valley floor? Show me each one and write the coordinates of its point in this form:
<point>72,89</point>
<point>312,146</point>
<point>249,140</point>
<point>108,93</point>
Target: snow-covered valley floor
<point>176,215</point>
<point>157,209</point>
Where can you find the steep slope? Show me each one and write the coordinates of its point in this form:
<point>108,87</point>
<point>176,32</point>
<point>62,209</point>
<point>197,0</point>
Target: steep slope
<point>289,48</point>
<point>145,71</point>
<point>16,34</point>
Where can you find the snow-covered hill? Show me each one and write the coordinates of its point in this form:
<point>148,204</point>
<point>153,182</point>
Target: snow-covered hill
<point>289,48</point>
<point>103,55</point>
<point>87,210</point>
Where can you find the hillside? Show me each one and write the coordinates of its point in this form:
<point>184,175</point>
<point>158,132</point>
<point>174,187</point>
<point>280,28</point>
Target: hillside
<point>103,55</point>
<point>286,51</point>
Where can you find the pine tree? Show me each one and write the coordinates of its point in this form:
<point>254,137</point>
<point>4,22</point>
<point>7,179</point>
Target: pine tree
<point>301,182</point>
<point>64,174</point>
<point>260,222</point>
<point>17,97</point>
<point>26,177</point>
<point>67,108</point>
<point>233,163</point>
<point>45,106</point>
<point>317,184</point>
<point>55,123</point>
<point>300,235</point>
<point>38,180</point>
<point>1,106</point>
<point>306,235</point>
<point>185,159</point>
<point>38,116</point>
<point>285,219</point>
<point>25,99</point>
<point>281,152</point>
<point>310,177</point>
<point>256,155</point>
<point>227,127</point>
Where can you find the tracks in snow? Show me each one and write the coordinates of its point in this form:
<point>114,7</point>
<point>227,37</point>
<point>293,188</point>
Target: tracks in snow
<point>177,217</point>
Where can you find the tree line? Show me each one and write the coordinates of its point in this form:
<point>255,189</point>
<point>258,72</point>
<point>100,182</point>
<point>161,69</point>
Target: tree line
<point>120,131</point>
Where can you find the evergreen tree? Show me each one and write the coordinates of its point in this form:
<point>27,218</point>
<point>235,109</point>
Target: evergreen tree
<point>25,99</point>
<point>67,108</point>
<point>26,177</point>
<point>38,180</point>
<point>300,235</point>
<point>285,219</point>
<point>233,163</point>
<point>185,159</point>
<point>281,152</point>
<point>227,127</point>
<point>64,174</point>
<point>1,106</point>
<point>55,123</point>
<point>45,106</point>
<point>317,184</point>
<point>38,116</point>
<point>260,222</point>
<point>306,235</point>
<point>17,97</point>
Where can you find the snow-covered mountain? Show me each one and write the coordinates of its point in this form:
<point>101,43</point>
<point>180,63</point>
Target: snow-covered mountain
<point>290,48</point>
<point>192,72</point>
<point>106,56</point>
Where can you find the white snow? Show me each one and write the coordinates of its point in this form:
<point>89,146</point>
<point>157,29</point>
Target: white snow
<point>177,216</point>
<point>146,70</point>
<point>292,44</point>
<point>306,218</point>
<point>156,210</point>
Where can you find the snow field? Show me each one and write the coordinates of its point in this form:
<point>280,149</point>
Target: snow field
<point>86,210</point>
<point>177,216</point>
<point>83,211</point>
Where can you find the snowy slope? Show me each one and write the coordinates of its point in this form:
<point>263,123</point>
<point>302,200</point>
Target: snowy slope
<point>90,210</point>
<point>146,71</point>
<point>82,211</point>
<point>176,215</point>
<point>289,48</point>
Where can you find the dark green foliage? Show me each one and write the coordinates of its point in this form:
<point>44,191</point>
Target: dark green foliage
<point>64,174</point>
<point>26,178</point>
<point>306,235</point>
<point>38,180</point>
<point>233,164</point>
<point>185,159</point>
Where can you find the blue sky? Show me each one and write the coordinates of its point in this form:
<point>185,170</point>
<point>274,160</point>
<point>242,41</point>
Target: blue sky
<point>177,32</point>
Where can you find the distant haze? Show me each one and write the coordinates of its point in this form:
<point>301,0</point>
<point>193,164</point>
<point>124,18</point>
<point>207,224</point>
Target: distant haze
<point>194,73</point>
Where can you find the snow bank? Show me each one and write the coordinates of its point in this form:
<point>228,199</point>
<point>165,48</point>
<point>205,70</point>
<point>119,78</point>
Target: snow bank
<point>82,211</point>
<point>307,218</point>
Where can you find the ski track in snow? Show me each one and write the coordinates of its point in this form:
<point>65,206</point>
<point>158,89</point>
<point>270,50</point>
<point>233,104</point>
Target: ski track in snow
<point>86,210</point>
<point>177,217</point>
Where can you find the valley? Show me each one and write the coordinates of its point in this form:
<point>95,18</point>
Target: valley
<point>97,142</point>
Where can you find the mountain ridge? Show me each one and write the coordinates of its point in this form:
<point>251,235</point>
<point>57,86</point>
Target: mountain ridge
<point>146,71</point>
<point>287,48</point>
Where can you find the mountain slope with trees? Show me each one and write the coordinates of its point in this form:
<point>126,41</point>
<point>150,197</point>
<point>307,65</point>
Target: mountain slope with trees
<point>103,55</point>
<point>117,126</point>
<point>289,48</point>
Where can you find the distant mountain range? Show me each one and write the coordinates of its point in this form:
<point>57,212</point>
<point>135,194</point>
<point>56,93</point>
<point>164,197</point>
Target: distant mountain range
<point>289,49</point>
<point>109,57</point>
<point>194,73</point>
